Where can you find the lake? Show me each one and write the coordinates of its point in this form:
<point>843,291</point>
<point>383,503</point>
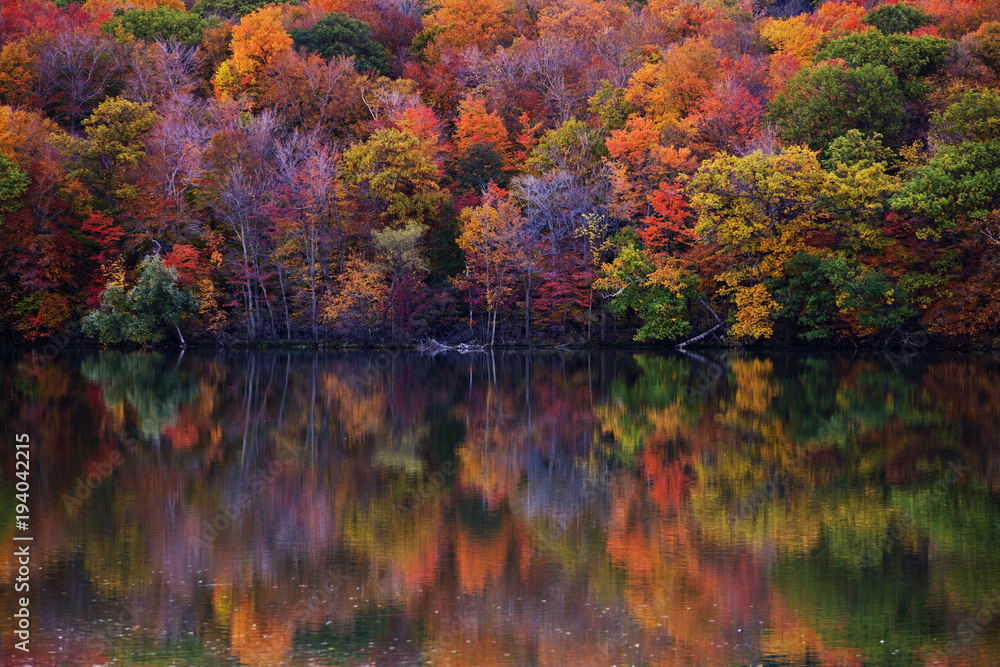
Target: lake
<point>513,508</point>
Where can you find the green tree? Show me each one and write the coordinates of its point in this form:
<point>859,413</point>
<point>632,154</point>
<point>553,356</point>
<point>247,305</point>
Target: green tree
<point>828,295</point>
<point>141,315</point>
<point>13,183</point>
<point>339,35</point>
<point>974,117</point>
<point>159,23</point>
<point>658,295</point>
<point>961,182</point>
<point>824,102</point>
<point>911,59</point>
<point>235,8</point>
<point>859,189</point>
<point>897,18</point>
<point>113,148</point>
<point>574,147</point>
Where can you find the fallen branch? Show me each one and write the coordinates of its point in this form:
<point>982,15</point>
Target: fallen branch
<point>680,346</point>
<point>432,346</point>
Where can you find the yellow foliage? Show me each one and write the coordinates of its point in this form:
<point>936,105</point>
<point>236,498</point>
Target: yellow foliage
<point>361,296</point>
<point>793,36</point>
<point>258,39</point>
<point>755,312</point>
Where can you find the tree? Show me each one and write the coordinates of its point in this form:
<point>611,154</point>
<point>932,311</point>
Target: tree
<point>400,252</point>
<point>159,23</point>
<point>669,221</point>
<point>476,127</point>
<point>45,274</point>
<point>987,45</point>
<point>910,58</point>
<point>77,70</point>
<point>457,24</point>
<point>960,183</point>
<point>828,294</point>
<point>493,240</point>
<point>258,39</point>
<point>140,315</point>
<point>234,8</point>
<point>639,164</point>
<point>310,227</point>
<point>395,172</point>
<point>859,189</point>
<point>760,208</point>
<point>13,183</point>
<point>654,288</point>
<point>359,298</point>
<point>974,117</point>
<point>667,89</point>
<point>728,117</point>
<point>113,149</point>
<point>897,18</point>
<point>825,101</point>
<point>18,73</point>
<point>794,37</point>
<point>339,35</point>
<point>310,92</point>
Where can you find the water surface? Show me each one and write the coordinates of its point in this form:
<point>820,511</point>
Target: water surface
<point>506,509</point>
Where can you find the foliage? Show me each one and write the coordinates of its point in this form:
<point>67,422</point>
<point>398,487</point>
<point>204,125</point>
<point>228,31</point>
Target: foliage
<point>141,314</point>
<point>825,101</point>
<point>339,35</point>
<point>378,171</point>
<point>235,8</point>
<point>760,208</point>
<point>830,297</point>
<point>13,183</point>
<point>159,23</point>
<point>257,41</point>
<point>653,288</point>
<point>895,18</point>
<point>114,147</point>
<point>397,169</point>
<point>909,58</point>
<point>960,183</point>
<point>987,45</point>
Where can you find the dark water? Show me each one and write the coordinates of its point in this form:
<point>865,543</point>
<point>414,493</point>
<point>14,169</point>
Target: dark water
<point>513,509</point>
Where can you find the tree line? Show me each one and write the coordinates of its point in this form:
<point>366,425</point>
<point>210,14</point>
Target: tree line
<point>508,172</point>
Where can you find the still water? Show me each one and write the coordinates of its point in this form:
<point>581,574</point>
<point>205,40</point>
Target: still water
<point>506,509</point>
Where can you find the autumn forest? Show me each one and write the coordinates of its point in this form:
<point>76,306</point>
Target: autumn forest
<point>505,172</point>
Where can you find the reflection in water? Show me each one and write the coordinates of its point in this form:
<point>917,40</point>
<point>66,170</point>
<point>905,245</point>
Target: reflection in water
<point>508,509</point>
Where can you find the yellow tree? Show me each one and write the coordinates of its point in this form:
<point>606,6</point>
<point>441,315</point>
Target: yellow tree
<point>394,176</point>
<point>257,41</point>
<point>759,209</point>
<point>793,36</point>
<point>494,241</point>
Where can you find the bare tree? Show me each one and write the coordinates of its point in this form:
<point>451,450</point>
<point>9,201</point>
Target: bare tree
<point>77,70</point>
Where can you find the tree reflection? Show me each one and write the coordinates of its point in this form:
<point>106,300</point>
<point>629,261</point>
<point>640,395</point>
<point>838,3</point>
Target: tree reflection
<point>513,508</point>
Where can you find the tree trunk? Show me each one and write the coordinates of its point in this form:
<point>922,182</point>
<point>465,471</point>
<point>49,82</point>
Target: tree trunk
<point>527,311</point>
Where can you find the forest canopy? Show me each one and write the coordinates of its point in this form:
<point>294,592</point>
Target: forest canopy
<point>380,172</point>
